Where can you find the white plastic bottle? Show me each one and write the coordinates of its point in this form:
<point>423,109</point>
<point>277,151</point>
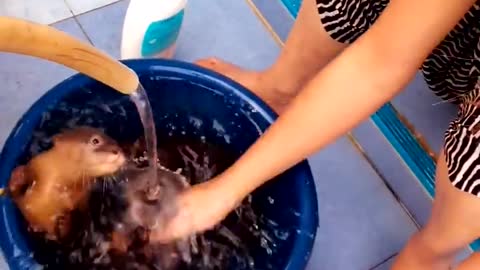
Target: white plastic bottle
<point>151,28</point>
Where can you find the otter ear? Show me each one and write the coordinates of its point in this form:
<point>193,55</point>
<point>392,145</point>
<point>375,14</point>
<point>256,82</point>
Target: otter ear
<point>60,136</point>
<point>17,181</point>
<point>57,139</point>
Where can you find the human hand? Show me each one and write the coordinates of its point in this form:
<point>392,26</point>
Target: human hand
<point>199,208</point>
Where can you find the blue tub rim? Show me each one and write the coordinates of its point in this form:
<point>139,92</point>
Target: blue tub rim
<point>304,243</point>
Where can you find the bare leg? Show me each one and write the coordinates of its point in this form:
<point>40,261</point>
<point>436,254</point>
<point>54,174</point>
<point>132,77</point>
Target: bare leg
<point>307,49</point>
<point>453,224</point>
<point>472,263</point>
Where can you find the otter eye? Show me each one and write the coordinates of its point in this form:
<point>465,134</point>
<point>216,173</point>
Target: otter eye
<point>95,141</point>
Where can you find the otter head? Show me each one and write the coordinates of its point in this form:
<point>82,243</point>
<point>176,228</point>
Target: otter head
<point>91,150</point>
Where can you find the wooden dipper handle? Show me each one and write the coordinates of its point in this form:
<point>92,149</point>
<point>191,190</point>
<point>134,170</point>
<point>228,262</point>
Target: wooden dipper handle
<point>23,37</point>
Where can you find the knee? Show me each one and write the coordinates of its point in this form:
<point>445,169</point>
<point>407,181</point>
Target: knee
<point>422,253</point>
<point>431,248</point>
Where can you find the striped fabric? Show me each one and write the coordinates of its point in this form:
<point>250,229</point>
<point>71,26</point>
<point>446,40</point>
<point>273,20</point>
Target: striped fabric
<point>452,72</point>
<point>462,144</point>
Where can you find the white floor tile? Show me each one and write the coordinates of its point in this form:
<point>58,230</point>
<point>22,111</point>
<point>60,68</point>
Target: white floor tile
<point>40,11</point>
<point>82,6</point>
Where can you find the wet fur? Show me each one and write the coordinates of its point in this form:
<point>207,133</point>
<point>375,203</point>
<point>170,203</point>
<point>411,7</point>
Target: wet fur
<point>114,233</point>
<point>134,206</point>
<point>58,181</point>
<point>122,214</point>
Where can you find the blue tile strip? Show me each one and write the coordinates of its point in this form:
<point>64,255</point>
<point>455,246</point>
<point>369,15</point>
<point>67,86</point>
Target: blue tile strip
<point>403,141</point>
<point>416,158</point>
<point>293,6</point>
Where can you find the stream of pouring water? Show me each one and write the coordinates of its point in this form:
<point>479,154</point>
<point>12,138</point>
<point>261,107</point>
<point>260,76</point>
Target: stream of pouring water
<point>140,99</point>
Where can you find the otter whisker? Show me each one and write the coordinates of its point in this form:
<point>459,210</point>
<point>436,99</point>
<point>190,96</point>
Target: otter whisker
<point>104,186</point>
<point>185,156</point>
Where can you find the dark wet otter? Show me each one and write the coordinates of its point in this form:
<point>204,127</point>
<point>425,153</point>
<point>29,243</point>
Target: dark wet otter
<point>137,204</point>
<point>114,234</point>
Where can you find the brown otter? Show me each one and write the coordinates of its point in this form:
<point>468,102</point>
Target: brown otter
<point>57,181</point>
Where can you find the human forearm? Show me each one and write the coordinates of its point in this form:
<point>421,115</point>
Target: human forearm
<point>337,99</point>
<point>365,76</point>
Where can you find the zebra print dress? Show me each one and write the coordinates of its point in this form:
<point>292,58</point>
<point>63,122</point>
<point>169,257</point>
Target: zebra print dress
<point>452,71</point>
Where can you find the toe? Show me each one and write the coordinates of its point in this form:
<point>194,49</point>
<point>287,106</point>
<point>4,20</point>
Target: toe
<point>208,62</point>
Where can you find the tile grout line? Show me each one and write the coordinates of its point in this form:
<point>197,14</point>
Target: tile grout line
<point>384,261</point>
<point>265,22</point>
<point>85,12</point>
<point>64,19</point>
<point>349,135</point>
<point>383,178</point>
<point>69,7</point>
<point>74,17</point>
<point>402,160</point>
<point>83,30</point>
<point>410,171</point>
<point>97,8</point>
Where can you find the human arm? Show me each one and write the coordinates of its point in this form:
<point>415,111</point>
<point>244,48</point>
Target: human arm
<point>366,75</point>
<point>350,88</point>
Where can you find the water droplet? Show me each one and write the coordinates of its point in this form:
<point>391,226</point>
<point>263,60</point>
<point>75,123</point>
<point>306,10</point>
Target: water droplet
<point>281,235</point>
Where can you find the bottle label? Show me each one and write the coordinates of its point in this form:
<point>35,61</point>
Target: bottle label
<point>160,35</point>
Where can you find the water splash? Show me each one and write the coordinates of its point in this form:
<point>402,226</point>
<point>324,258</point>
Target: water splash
<point>228,246</point>
<point>142,103</point>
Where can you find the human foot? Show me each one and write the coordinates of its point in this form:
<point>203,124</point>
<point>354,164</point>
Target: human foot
<point>259,83</point>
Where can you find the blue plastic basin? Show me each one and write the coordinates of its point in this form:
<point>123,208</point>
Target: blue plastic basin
<point>186,100</point>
